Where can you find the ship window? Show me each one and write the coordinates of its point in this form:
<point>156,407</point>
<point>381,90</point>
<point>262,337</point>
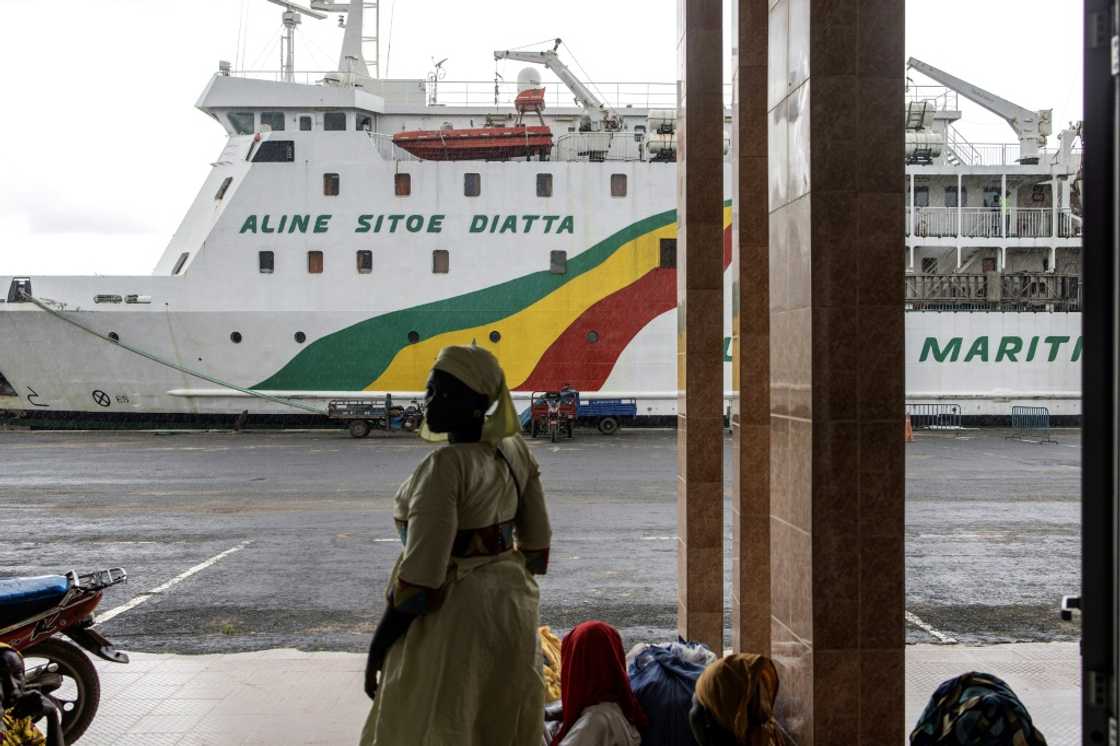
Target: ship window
<point>222,189</point>
<point>235,337</point>
<point>330,185</point>
<point>921,196</point>
<point>441,262</point>
<point>363,123</point>
<point>495,336</point>
<point>180,262</point>
<point>242,122</point>
<point>618,185</point>
<point>544,185</point>
<point>274,120</point>
<point>668,253</point>
<point>951,196</point>
<point>413,337</point>
<point>365,262</point>
<point>266,262</point>
<point>929,265</point>
<point>315,262</point>
<point>402,184</point>
<point>300,337</point>
<point>558,262</point>
<point>305,123</point>
<point>275,151</point>
<point>334,121</point>
<point>472,184</point>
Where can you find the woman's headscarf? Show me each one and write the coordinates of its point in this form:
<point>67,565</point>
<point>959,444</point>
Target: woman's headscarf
<point>480,371</point>
<point>975,709</point>
<point>593,670</point>
<point>740,691</point>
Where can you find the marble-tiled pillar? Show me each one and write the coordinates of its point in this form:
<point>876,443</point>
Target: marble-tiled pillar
<point>750,337</point>
<point>835,102</point>
<point>700,321</point>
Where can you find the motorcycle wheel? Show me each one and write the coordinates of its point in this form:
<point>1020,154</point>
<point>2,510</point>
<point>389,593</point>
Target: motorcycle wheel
<point>79,691</point>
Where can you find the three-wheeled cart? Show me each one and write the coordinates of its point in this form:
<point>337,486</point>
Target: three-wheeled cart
<point>364,415</point>
<point>607,414</point>
<point>553,413</point>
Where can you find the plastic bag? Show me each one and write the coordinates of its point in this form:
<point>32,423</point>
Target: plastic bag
<point>663,678</point>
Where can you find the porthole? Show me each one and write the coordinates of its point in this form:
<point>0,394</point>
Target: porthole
<point>592,337</point>
<point>235,337</point>
<point>301,337</point>
<point>495,336</point>
<point>413,337</point>
<point>114,336</point>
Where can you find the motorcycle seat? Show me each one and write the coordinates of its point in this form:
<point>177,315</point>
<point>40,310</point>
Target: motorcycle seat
<point>24,597</point>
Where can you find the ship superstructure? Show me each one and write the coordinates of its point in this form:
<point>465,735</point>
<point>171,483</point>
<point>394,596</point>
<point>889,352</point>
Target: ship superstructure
<point>322,258</point>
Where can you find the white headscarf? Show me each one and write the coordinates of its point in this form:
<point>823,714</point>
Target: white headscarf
<point>480,371</point>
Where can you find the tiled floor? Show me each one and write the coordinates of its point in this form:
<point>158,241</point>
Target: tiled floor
<point>281,697</point>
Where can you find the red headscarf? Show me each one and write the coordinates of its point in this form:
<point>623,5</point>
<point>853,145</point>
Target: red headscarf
<point>593,670</point>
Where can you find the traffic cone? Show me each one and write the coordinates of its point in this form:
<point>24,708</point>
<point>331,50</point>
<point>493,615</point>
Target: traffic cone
<point>909,430</point>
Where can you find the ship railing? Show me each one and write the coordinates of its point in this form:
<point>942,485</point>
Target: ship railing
<point>501,94</point>
<point>389,150</point>
<point>988,222</point>
<point>993,291</point>
<point>306,77</point>
<point>1069,225</point>
<point>939,97</point>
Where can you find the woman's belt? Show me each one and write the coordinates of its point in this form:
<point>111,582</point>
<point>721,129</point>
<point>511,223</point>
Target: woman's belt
<point>474,542</point>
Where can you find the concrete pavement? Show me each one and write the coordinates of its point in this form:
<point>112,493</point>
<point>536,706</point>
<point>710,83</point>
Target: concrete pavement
<point>288,697</point>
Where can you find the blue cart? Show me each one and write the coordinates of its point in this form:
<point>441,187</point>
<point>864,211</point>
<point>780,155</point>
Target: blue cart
<point>607,414</point>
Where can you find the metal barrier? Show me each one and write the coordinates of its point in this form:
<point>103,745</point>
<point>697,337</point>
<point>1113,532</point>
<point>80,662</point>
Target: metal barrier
<point>1031,421</point>
<point>934,416</point>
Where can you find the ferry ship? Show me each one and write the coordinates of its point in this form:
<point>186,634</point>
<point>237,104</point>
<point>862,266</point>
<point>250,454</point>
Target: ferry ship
<point>353,225</point>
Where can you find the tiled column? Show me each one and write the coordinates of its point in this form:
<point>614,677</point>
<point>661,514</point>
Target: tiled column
<point>750,338</point>
<point>835,99</point>
<point>700,322</point>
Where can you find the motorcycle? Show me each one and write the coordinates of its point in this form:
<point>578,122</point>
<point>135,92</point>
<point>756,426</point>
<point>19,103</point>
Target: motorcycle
<point>34,612</point>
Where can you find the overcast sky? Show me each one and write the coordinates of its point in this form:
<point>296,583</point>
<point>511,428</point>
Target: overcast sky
<point>103,149</point>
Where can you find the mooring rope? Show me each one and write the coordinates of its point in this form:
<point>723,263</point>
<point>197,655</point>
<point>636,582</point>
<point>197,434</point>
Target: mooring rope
<point>174,366</point>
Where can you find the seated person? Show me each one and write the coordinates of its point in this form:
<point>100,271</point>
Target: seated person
<point>598,706</point>
<point>975,709</point>
<point>22,708</point>
<point>734,704</point>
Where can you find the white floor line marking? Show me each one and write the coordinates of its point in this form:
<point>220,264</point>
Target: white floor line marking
<point>938,634</point>
<point>137,600</point>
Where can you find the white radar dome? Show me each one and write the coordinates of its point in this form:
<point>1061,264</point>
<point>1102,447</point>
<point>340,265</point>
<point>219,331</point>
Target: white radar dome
<point>529,77</point>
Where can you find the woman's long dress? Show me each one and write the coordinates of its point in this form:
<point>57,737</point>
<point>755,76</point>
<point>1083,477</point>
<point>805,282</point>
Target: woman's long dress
<point>468,673</point>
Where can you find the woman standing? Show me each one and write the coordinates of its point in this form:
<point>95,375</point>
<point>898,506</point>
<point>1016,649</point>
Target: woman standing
<point>455,659</point>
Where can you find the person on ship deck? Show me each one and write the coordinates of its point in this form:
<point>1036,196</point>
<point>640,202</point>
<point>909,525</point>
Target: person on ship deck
<point>455,660</point>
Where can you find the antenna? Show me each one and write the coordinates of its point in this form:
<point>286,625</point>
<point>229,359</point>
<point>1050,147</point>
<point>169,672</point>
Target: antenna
<point>354,61</point>
<point>434,77</point>
<point>291,19</point>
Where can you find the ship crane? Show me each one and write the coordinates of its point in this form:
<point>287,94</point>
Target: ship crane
<point>595,108</point>
<point>1031,127</point>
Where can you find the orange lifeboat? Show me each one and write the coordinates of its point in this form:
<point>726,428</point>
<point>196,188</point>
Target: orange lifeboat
<point>485,143</point>
<point>479,143</point>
